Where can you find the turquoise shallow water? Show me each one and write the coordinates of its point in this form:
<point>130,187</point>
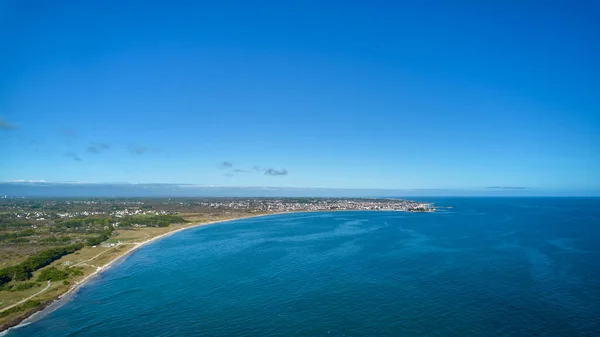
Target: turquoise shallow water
<point>486,267</point>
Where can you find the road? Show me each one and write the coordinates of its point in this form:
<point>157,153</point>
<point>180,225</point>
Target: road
<point>27,299</point>
<point>95,256</point>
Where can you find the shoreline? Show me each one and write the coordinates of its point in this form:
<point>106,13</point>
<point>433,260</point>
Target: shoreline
<point>143,243</point>
<point>30,317</point>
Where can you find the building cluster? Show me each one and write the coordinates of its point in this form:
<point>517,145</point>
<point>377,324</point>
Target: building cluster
<point>227,205</point>
<point>128,212</point>
<point>321,204</point>
<point>45,215</point>
<point>31,215</point>
<point>78,214</point>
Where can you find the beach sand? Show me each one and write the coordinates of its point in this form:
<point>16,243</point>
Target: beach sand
<point>54,304</point>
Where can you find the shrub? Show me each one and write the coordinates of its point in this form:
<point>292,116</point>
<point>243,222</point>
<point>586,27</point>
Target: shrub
<point>23,286</point>
<point>52,274</point>
<point>96,240</point>
<point>23,270</point>
<point>25,306</point>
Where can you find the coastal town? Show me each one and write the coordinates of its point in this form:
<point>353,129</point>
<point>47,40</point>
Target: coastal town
<point>323,204</point>
<point>49,247</point>
<point>45,209</point>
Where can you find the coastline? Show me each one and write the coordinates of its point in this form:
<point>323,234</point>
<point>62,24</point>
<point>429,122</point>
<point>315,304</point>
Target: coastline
<point>28,317</point>
<point>55,303</point>
<point>143,243</point>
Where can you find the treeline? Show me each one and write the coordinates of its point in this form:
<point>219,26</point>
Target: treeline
<point>78,222</point>
<point>162,220</point>
<point>8,236</point>
<point>96,240</point>
<point>55,274</point>
<point>17,240</point>
<point>24,270</point>
<point>6,223</point>
<point>151,220</point>
<point>17,237</point>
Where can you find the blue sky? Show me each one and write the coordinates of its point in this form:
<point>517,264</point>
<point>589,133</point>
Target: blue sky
<point>371,94</point>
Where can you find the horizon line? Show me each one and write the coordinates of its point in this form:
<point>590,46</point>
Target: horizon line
<point>191,185</point>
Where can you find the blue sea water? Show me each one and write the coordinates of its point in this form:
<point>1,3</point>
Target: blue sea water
<point>485,267</point>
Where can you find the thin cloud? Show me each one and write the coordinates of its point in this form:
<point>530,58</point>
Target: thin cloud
<point>240,171</point>
<point>139,149</point>
<point>6,126</point>
<point>98,147</point>
<point>229,175</point>
<point>225,164</point>
<point>69,133</point>
<point>275,172</point>
<point>507,188</point>
<point>270,171</point>
<point>73,156</point>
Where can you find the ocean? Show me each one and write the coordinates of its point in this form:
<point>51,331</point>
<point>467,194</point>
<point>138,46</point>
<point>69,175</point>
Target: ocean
<point>484,267</point>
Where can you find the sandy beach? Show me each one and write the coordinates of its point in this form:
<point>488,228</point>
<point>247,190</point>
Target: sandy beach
<point>141,244</point>
<point>54,304</point>
<point>57,302</point>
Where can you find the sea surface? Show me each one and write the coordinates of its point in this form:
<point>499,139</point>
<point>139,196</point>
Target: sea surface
<point>485,267</point>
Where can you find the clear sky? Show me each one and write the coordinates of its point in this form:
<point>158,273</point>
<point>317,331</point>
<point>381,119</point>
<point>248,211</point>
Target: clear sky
<point>333,94</point>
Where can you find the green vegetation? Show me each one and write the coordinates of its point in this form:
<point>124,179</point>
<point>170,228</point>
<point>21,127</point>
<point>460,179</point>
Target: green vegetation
<point>55,274</point>
<point>52,274</point>
<point>96,240</point>
<point>24,286</point>
<point>5,223</point>
<point>23,270</point>
<point>80,222</point>
<point>56,239</point>
<point>119,239</point>
<point>37,234</point>
<point>15,235</point>
<point>75,271</point>
<point>151,220</point>
<point>25,306</point>
<point>18,240</point>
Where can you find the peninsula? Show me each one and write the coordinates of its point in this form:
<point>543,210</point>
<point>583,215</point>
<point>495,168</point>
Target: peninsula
<point>50,247</point>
